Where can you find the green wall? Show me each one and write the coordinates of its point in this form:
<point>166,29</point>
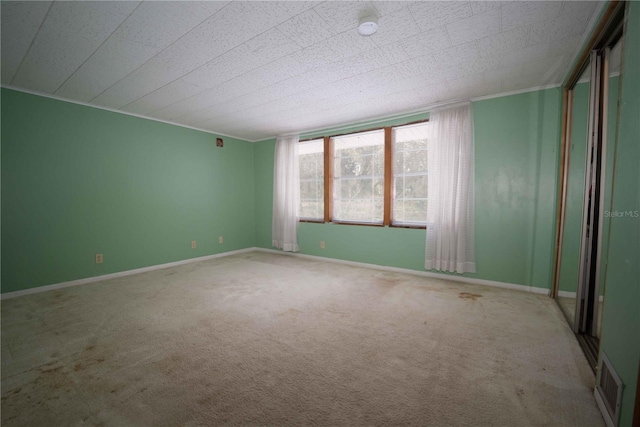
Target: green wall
<point>516,138</point>
<point>77,181</point>
<point>621,317</point>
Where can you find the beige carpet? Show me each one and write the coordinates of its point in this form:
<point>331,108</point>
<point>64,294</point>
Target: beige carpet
<point>267,339</point>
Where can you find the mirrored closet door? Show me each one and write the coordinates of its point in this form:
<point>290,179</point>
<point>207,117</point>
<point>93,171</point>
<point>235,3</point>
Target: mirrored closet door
<point>588,152</point>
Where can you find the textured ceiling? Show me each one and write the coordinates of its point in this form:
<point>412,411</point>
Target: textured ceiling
<point>258,69</point>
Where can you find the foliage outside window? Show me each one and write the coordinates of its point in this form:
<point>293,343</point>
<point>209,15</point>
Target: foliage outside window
<point>410,175</point>
<point>311,155</point>
<point>374,177</point>
<point>358,177</point>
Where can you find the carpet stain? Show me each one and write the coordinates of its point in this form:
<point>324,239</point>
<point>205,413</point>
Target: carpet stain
<point>59,296</point>
<point>46,386</point>
<point>290,312</point>
<point>345,351</point>
<point>338,313</point>
<point>50,371</point>
<point>467,295</point>
<point>387,281</point>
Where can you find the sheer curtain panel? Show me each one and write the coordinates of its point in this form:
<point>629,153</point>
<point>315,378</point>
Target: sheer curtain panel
<point>450,236</point>
<point>286,194</point>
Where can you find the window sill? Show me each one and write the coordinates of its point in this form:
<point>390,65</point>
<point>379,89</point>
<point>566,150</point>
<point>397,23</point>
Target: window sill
<point>360,224</point>
<point>414,227</point>
<point>364,224</point>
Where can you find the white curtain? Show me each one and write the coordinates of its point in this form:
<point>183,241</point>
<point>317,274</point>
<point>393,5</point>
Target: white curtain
<point>450,237</point>
<point>286,194</point>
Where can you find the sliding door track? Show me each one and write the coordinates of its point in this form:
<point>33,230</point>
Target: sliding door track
<point>590,347</point>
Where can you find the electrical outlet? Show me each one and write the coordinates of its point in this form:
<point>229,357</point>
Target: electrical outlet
<point>99,258</point>
<point>322,244</point>
<point>220,239</point>
<point>193,244</point>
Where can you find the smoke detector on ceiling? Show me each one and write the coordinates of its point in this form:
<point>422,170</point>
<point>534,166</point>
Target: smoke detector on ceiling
<point>368,25</point>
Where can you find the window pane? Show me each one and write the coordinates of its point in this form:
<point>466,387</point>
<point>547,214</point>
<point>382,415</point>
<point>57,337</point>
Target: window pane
<point>410,174</point>
<point>310,189</point>
<point>411,211</point>
<point>313,209</point>
<point>311,157</point>
<point>358,174</point>
<point>411,187</point>
<point>410,161</point>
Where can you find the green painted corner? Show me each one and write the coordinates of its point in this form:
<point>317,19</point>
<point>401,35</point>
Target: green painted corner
<point>77,181</point>
<point>517,139</point>
<point>264,153</point>
<point>86,181</point>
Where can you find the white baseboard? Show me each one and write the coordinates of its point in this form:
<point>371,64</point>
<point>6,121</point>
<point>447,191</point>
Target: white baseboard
<point>573,295</point>
<point>94,279</point>
<point>565,294</point>
<point>429,274</point>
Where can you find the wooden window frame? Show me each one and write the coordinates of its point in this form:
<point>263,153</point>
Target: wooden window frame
<point>388,179</point>
<point>324,166</point>
<point>328,179</point>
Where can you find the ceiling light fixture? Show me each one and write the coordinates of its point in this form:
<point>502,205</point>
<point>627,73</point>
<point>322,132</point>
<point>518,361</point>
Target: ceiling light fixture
<point>368,25</point>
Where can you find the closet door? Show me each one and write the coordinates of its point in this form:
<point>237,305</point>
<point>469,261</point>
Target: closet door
<point>590,214</point>
<point>575,167</point>
<point>585,207</point>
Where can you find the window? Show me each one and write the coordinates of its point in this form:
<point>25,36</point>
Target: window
<point>311,155</point>
<point>358,177</point>
<point>410,175</point>
<point>374,177</point>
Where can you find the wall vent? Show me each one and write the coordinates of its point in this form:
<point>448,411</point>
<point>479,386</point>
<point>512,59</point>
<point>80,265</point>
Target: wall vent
<point>608,392</point>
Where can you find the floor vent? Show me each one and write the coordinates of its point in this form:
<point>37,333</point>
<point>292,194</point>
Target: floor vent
<point>608,392</point>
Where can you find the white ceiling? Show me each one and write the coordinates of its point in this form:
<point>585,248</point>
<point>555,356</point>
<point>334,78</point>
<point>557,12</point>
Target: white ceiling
<point>254,70</point>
